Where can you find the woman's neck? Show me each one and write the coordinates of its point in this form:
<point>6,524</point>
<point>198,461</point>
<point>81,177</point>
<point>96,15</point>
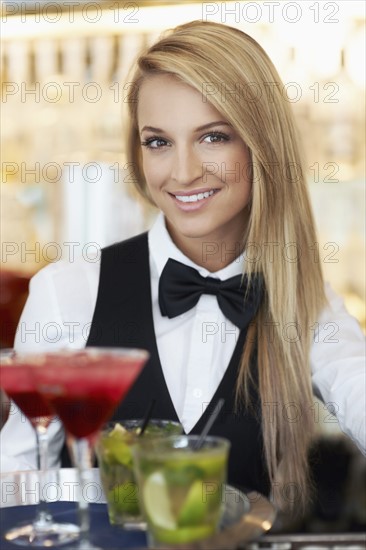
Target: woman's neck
<point>212,253</point>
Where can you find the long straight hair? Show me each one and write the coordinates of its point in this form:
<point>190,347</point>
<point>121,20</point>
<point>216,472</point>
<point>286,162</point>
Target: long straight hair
<point>236,76</point>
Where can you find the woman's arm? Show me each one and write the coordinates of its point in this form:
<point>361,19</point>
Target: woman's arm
<point>338,367</point>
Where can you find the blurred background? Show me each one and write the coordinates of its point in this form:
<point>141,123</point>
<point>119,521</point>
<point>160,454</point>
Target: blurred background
<point>66,188</point>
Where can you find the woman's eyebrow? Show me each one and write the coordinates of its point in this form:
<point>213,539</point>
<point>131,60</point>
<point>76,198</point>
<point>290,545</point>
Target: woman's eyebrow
<point>217,123</point>
<point>199,129</point>
<point>151,129</point>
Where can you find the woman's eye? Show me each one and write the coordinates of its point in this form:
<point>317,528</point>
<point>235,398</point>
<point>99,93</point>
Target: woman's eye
<point>154,143</point>
<point>216,137</point>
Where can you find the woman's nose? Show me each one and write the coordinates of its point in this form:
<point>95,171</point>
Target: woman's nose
<point>186,165</point>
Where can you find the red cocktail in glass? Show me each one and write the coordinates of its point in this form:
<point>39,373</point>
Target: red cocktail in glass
<point>83,388</point>
<point>31,402</point>
<point>18,382</point>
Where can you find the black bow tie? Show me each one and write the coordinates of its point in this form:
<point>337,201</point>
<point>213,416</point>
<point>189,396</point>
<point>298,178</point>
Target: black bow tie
<point>181,286</point>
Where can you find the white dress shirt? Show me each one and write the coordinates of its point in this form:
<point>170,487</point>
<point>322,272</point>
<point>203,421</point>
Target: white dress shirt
<point>194,348</point>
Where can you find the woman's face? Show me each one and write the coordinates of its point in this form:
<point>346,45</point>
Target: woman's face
<point>195,164</point>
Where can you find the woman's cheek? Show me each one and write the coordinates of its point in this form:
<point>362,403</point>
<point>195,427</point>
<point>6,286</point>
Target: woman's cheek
<point>151,169</point>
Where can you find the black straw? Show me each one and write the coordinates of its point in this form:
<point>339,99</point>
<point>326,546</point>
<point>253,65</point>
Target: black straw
<point>215,413</point>
<point>147,417</point>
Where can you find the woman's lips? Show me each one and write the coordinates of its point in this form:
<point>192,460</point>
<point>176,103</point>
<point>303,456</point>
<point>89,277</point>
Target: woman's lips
<point>193,201</point>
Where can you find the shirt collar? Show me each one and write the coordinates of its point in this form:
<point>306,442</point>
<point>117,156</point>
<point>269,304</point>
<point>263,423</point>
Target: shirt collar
<point>162,248</point>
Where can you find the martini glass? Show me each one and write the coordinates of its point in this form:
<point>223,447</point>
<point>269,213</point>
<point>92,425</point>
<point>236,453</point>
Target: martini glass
<point>17,381</point>
<point>83,388</point>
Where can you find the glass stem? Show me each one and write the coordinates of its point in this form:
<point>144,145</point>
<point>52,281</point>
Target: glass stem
<point>82,454</point>
<point>43,518</point>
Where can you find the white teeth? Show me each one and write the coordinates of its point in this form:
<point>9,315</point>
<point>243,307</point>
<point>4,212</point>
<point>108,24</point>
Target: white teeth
<point>195,198</point>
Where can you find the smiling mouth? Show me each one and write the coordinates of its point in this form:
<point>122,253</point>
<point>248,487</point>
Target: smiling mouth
<point>196,197</point>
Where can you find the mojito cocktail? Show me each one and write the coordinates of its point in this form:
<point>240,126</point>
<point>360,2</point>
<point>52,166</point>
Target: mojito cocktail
<point>181,488</point>
<point>116,467</point>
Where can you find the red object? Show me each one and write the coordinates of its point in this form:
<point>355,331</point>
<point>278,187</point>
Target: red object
<point>34,406</point>
<point>84,388</point>
<point>18,383</point>
<point>13,295</point>
<point>83,416</point>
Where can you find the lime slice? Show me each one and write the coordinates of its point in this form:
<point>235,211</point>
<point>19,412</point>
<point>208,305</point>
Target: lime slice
<point>118,429</point>
<point>157,502</point>
<point>183,535</point>
<point>195,507</point>
<point>114,447</point>
<point>116,452</point>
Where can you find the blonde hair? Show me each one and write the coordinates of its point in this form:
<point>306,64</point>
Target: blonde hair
<point>236,76</point>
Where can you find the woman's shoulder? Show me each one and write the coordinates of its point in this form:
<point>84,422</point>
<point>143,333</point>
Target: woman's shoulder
<point>69,268</point>
<point>60,304</point>
<point>83,269</point>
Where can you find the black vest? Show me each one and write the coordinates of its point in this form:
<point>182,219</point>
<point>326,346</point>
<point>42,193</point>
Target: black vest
<point>123,318</point>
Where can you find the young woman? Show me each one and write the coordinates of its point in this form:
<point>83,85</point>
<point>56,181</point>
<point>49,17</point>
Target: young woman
<point>225,290</point>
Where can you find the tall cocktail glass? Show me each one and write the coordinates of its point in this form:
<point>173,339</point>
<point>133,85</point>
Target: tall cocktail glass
<point>83,388</point>
<point>17,381</point>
